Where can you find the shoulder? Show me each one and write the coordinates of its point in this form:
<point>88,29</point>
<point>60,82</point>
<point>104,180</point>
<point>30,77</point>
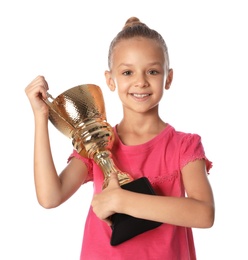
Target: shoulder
<point>183,137</point>
<point>80,160</point>
<point>190,147</point>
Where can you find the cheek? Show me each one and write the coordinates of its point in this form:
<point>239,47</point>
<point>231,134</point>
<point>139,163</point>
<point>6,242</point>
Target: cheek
<point>121,91</point>
<point>160,92</point>
<point>122,86</point>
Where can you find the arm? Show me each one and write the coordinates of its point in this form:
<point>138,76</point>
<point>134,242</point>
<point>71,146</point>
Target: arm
<point>196,210</point>
<point>51,189</point>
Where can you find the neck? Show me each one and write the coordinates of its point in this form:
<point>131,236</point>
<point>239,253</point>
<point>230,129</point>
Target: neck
<point>142,124</point>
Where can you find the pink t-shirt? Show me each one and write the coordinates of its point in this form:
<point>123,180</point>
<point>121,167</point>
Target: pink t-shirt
<point>160,160</point>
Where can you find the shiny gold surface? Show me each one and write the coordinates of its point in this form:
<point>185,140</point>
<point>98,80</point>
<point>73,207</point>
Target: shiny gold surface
<point>79,113</point>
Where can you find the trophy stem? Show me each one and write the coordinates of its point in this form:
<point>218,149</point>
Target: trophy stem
<point>106,163</point>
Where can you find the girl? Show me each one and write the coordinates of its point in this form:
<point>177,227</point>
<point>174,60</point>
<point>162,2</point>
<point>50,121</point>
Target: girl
<point>174,162</point>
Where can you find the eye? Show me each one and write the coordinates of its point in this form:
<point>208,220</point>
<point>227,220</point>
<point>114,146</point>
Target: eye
<point>153,72</point>
<point>127,73</point>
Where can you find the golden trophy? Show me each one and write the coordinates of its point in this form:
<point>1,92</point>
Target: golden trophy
<point>79,113</point>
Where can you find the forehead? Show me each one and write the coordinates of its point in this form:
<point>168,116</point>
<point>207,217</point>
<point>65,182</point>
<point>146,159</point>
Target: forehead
<point>138,42</point>
<point>136,45</point>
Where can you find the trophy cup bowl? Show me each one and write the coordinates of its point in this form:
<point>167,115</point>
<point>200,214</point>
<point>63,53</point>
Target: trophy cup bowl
<point>79,113</point>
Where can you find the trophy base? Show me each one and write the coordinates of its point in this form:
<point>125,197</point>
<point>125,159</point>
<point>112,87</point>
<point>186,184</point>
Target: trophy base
<point>125,227</point>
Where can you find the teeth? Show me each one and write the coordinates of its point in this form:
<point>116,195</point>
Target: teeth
<point>140,95</point>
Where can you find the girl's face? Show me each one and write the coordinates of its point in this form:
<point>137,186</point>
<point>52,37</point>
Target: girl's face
<point>138,71</point>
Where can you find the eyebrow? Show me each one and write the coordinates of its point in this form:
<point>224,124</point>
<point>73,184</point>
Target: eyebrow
<point>149,64</point>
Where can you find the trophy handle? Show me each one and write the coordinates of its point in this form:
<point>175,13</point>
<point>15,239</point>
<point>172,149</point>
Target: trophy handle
<point>54,109</point>
<point>49,103</point>
<point>47,100</point>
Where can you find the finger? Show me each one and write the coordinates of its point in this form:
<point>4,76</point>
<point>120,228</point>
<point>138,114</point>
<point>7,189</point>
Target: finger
<point>45,84</point>
<point>108,221</point>
<point>42,85</point>
<point>113,180</point>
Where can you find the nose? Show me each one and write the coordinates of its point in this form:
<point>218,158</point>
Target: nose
<point>141,81</point>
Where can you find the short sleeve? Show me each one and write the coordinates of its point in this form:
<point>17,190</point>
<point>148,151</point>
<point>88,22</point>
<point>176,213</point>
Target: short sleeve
<point>87,161</point>
<point>192,149</point>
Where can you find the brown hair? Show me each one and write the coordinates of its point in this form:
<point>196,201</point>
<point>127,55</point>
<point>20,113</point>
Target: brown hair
<point>135,28</point>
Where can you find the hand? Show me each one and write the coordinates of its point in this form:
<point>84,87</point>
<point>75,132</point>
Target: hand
<point>106,203</point>
<point>35,91</point>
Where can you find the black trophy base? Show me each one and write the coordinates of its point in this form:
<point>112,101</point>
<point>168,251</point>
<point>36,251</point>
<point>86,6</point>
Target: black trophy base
<point>124,226</point>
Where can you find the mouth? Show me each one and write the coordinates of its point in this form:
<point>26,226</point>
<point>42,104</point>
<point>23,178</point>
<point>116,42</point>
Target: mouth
<point>137,95</point>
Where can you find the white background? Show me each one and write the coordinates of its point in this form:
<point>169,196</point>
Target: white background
<point>67,42</point>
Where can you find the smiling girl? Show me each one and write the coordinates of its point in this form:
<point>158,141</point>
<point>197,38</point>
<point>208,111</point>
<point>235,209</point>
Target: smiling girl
<point>145,146</point>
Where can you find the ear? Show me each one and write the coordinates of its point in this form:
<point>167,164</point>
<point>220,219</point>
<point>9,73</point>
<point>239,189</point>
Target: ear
<point>169,79</point>
<point>109,80</point>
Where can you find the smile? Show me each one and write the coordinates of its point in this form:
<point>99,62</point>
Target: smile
<point>140,95</point>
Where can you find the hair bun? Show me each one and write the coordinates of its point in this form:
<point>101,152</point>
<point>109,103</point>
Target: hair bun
<point>132,21</point>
